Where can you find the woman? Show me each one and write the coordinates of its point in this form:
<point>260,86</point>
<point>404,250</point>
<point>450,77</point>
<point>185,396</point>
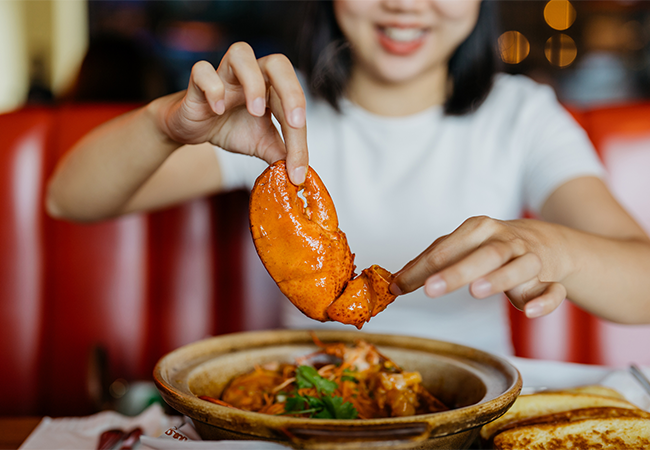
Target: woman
<point>413,141</point>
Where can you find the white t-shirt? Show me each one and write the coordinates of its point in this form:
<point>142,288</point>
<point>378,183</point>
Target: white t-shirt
<point>398,183</point>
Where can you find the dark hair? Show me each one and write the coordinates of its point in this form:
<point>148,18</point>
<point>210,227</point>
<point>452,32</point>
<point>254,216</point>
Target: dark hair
<point>324,57</point>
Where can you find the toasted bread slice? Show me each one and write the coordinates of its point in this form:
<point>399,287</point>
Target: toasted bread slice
<point>528,406</point>
<point>603,433</point>
<point>593,389</point>
<point>573,416</point>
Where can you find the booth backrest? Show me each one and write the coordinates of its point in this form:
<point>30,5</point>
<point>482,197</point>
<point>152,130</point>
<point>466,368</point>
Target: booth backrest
<point>621,136</point>
<point>142,285</point>
<point>134,288</point>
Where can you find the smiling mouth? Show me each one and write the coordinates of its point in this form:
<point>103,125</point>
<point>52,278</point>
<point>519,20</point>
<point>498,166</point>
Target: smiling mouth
<point>401,41</point>
<point>403,34</point>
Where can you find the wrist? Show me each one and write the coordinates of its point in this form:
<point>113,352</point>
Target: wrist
<point>155,113</point>
<point>568,258</point>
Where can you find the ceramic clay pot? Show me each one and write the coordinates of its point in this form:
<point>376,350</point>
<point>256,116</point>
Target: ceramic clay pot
<point>478,386</point>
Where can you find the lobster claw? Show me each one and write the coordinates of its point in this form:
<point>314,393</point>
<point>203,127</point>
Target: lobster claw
<point>364,297</point>
<point>301,246</point>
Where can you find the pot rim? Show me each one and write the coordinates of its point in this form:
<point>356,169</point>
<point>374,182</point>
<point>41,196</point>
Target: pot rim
<point>190,403</point>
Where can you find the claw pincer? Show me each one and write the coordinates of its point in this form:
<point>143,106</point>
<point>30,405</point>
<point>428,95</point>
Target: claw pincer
<point>301,246</point>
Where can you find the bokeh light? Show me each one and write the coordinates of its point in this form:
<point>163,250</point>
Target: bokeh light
<point>560,50</point>
<point>559,14</point>
<point>513,47</point>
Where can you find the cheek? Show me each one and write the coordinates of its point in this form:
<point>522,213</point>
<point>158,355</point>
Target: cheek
<point>353,10</point>
<point>347,14</point>
<point>461,17</point>
<point>354,18</point>
<point>458,9</point>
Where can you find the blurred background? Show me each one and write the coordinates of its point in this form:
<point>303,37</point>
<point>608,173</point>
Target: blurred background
<point>592,52</point>
<point>86,310</point>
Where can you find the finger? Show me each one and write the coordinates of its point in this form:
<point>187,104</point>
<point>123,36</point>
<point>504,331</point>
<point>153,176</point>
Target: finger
<point>280,74</point>
<point>295,142</point>
<point>239,67</point>
<point>546,303</point>
<point>479,263</point>
<point>272,148</point>
<point>514,273</point>
<point>287,102</point>
<point>206,86</point>
<point>525,292</point>
<point>444,252</point>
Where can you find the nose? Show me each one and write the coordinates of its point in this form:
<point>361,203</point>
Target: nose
<point>405,5</point>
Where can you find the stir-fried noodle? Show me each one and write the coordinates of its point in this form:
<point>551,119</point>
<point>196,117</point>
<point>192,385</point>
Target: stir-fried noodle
<point>355,382</point>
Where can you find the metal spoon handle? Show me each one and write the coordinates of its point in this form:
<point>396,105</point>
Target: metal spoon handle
<point>640,377</point>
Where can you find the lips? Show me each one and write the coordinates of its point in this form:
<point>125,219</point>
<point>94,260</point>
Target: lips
<point>400,40</point>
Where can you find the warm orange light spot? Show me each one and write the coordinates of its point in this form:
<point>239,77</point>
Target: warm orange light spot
<point>513,47</point>
<point>559,14</point>
<point>560,50</point>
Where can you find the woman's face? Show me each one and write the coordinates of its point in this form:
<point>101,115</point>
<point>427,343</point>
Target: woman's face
<point>398,40</point>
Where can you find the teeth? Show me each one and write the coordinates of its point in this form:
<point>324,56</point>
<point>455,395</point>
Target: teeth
<point>403,34</point>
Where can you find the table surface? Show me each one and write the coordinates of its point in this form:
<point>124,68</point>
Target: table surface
<point>14,430</point>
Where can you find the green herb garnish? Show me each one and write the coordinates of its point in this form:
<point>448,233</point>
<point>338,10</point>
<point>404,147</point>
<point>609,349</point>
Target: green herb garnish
<point>325,407</point>
<point>307,377</point>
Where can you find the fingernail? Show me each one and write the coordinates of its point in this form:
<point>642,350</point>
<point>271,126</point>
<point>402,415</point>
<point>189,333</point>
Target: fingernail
<point>395,289</point>
<point>220,107</point>
<point>259,107</point>
<point>534,309</point>
<point>297,118</point>
<point>299,175</point>
<point>481,288</point>
<point>435,286</point>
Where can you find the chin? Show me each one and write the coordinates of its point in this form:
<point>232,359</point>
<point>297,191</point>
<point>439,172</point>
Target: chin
<point>397,72</point>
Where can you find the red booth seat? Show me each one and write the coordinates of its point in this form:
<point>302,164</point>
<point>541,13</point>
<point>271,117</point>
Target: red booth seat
<point>621,135</point>
<point>142,285</point>
<point>136,287</point>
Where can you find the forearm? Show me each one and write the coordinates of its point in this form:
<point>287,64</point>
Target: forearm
<point>104,170</point>
<point>609,276</point>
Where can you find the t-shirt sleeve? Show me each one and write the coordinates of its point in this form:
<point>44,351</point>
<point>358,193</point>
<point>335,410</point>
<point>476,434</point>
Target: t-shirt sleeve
<point>559,150</point>
<point>238,171</point>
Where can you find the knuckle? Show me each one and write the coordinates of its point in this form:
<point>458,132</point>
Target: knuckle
<point>277,61</point>
<point>518,245</point>
<point>505,280</point>
<point>214,90</point>
<point>497,251</point>
<point>201,66</point>
<point>530,290</point>
<point>534,262</point>
<point>483,224</point>
<point>241,50</point>
<point>434,261</point>
<point>473,221</point>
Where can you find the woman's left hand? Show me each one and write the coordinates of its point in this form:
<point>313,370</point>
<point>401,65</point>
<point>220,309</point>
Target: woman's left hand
<point>522,258</point>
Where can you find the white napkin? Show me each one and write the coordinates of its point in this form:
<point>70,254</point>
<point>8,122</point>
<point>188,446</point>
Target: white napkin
<point>627,385</point>
<point>186,437</point>
<point>539,374</point>
<point>72,433</point>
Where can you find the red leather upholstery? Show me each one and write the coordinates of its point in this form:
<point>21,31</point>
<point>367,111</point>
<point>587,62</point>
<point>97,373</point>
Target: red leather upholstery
<point>143,285</point>
<point>138,286</point>
<point>621,136</point>
<point>23,140</point>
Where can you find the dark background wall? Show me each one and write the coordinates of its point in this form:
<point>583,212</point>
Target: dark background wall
<point>610,39</point>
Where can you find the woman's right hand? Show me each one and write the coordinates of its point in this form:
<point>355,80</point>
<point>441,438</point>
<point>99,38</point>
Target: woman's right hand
<point>231,108</point>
